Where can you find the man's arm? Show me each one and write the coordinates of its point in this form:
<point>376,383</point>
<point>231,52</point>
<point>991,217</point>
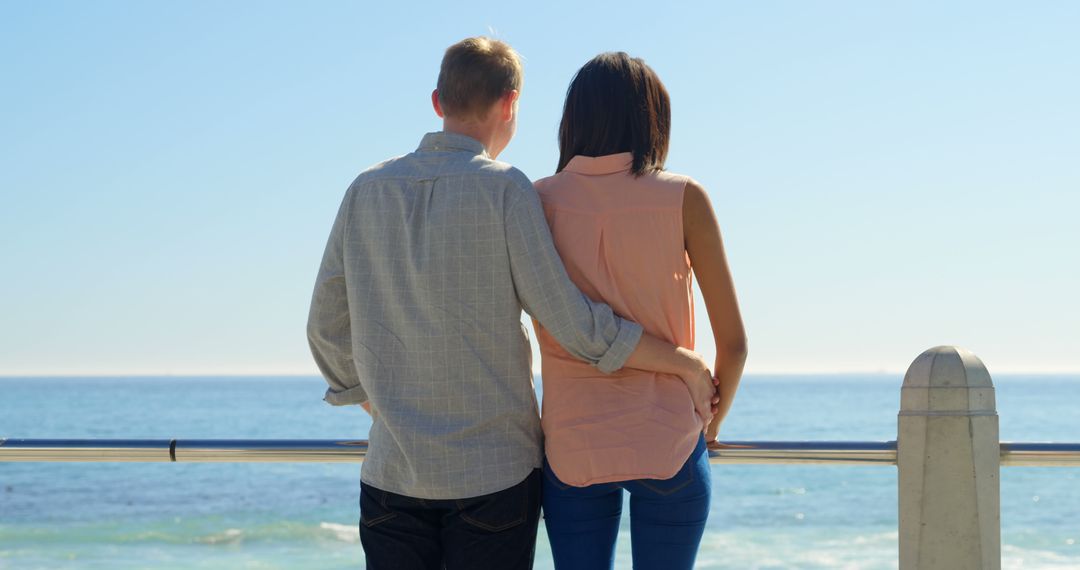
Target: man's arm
<point>588,330</point>
<point>659,355</point>
<point>328,329</point>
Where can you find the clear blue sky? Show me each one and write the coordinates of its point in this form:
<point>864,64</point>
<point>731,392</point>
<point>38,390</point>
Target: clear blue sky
<point>889,175</point>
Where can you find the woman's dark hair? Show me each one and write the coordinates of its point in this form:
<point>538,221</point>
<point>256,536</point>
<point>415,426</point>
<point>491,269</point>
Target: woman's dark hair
<point>616,104</point>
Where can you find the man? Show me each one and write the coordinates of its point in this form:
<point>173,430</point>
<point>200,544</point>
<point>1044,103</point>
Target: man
<point>416,316</point>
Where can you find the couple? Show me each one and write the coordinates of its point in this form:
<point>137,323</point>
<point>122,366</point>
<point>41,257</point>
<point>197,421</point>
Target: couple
<point>416,316</point>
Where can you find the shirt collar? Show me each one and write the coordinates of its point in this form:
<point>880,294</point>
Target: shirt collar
<point>595,165</point>
<point>444,141</point>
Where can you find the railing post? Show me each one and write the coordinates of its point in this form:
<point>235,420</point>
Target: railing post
<point>948,459</point>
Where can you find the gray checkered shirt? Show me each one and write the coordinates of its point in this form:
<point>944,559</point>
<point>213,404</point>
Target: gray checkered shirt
<point>417,309</point>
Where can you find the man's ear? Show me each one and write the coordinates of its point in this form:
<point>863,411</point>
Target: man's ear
<point>509,105</point>
<point>435,103</point>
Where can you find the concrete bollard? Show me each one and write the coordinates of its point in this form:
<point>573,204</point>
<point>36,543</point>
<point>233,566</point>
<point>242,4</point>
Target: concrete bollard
<point>948,458</point>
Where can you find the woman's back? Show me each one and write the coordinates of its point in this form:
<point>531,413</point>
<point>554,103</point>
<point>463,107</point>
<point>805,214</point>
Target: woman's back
<point>621,239</point>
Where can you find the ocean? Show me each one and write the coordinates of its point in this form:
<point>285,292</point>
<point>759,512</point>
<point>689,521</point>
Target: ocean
<point>280,515</point>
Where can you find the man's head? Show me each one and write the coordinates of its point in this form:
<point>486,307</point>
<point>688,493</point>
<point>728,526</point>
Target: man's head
<point>477,92</point>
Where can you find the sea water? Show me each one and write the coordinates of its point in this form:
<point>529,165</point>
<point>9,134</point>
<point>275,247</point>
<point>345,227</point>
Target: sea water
<point>304,515</point>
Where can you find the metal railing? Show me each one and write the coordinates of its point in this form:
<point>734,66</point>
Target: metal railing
<point>346,451</point>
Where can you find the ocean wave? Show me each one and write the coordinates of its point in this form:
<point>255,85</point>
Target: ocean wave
<point>192,532</point>
<point>284,532</point>
<point>1019,558</point>
<point>809,549</point>
<point>342,532</point>
<point>838,550</point>
<point>790,551</point>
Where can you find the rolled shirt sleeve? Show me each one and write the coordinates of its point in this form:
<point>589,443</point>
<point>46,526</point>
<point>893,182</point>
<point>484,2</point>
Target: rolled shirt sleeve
<point>329,322</point>
<point>588,330</point>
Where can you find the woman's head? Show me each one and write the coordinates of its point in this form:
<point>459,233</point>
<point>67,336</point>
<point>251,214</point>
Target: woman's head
<point>616,104</point>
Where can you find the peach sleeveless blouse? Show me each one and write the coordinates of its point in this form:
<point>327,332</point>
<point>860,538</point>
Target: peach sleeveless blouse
<point>621,239</point>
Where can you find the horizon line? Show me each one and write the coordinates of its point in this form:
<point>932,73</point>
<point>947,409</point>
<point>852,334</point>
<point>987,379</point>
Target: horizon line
<point>256,374</point>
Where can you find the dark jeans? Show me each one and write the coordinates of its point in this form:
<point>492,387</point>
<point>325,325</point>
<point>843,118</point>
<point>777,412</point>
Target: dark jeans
<point>496,531</point>
<point>667,518</point>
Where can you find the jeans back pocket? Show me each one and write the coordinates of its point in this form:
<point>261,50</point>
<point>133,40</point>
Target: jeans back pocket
<point>373,509</point>
<point>680,481</point>
<point>504,509</point>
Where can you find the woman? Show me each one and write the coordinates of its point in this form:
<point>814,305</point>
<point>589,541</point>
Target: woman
<point>630,235</point>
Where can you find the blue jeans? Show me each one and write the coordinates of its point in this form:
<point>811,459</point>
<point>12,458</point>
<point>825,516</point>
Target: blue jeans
<point>667,518</point>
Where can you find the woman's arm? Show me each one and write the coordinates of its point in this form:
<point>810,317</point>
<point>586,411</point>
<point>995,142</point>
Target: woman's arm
<point>705,247</point>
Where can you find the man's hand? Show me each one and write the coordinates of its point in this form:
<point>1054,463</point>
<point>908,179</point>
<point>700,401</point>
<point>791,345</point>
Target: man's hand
<point>702,386</point>
<point>661,356</point>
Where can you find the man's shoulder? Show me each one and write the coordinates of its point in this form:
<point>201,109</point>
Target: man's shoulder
<point>546,184</point>
<point>498,174</point>
<point>390,167</point>
<point>498,171</point>
<point>491,176</point>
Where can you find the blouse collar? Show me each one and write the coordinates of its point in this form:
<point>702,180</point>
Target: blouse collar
<point>596,165</point>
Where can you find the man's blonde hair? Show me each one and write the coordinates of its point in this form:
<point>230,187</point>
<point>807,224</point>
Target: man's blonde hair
<point>475,73</point>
